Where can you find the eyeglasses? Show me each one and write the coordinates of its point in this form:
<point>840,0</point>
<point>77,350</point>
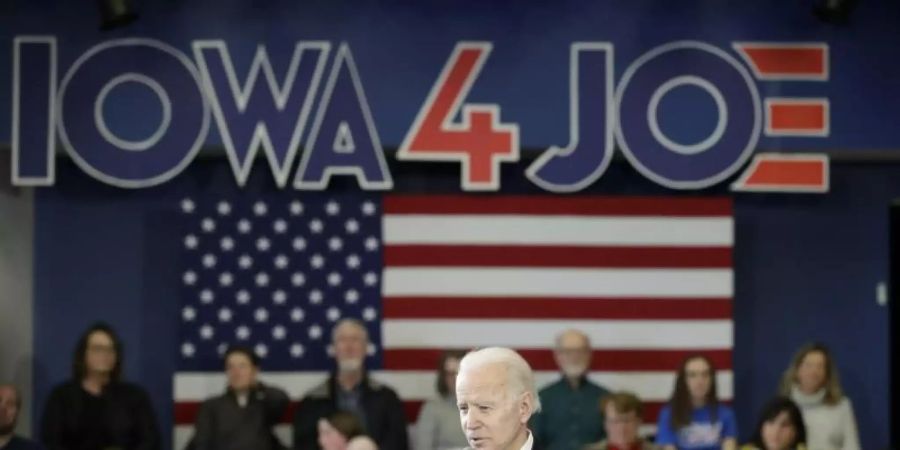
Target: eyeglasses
<point>101,349</point>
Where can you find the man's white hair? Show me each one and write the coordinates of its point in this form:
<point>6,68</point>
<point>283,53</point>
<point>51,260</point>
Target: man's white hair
<point>519,377</point>
<point>344,323</point>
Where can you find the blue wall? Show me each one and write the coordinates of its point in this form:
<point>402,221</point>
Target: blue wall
<point>806,268</point>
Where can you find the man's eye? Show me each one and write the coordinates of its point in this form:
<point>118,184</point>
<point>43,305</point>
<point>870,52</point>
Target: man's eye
<point>484,408</point>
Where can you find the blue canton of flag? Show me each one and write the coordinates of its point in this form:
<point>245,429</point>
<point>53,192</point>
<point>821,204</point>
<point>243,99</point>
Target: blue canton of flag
<point>275,274</point>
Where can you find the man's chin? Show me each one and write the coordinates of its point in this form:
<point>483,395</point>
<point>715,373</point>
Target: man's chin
<point>7,429</point>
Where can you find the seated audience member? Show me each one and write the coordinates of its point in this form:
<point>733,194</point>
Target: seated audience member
<point>780,427</point>
<point>96,410</point>
<point>349,389</point>
<point>438,426</point>
<point>694,419</point>
<point>10,404</point>
<point>343,431</point>
<point>570,418</point>
<point>812,382</point>
<point>622,412</point>
<point>242,417</point>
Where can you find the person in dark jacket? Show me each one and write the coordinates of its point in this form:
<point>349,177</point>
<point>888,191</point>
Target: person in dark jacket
<point>96,410</point>
<point>243,417</point>
<point>10,405</point>
<point>349,389</point>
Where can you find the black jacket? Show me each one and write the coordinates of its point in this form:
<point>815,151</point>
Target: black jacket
<point>385,417</point>
<point>222,424</point>
<point>121,417</point>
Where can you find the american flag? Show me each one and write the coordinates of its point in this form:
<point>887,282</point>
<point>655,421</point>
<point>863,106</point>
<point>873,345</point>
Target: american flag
<point>650,280</point>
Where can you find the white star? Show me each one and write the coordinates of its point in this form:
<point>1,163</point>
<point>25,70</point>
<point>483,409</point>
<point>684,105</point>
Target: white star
<point>369,314</point>
<point>316,226</point>
<point>332,208</point>
<point>297,315</point>
<point>207,296</point>
<point>296,208</point>
<point>189,278</point>
<point>315,296</point>
<point>191,241</point>
<point>188,314</point>
<point>281,261</point>
<point>224,315</point>
<point>371,243</point>
<point>351,296</point>
<point>208,225</point>
<point>206,332</point>
<point>370,279</point>
<point>335,243</point>
<point>299,244</point>
<point>226,243</point>
<point>261,350</point>
<point>225,279</point>
<point>244,226</point>
<point>262,279</point>
<point>370,349</point>
<point>224,208</point>
<point>279,297</point>
<point>187,349</point>
<point>368,208</point>
<point>315,332</point>
<point>317,261</point>
<point>353,261</point>
<point>296,350</point>
<point>333,314</point>
<point>243,297</point>
<point>280,226</point>
<point>298,279</point>
<point>278,332</point>
<point>263,244</point>
<point>260,208</point>
<point>351,226</point>
<point>261,315</point>
<point>187,206</point>
<point>222,348</point>
<point>245,261</point>
<point>334,278</point>
<point>242,332</point>
<point>209,260</point>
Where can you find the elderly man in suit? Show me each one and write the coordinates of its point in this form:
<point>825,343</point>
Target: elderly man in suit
<point>496,395</point>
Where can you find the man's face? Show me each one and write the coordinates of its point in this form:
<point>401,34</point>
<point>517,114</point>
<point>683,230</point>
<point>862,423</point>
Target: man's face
<point>9,410</point>
<point>573,354</point>
<point>350,347</point>
<point>240,371</point>
<point>621,428</point>
<point>490,418</point>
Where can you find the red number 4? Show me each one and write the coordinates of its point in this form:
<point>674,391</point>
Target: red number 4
<point>480,142</point>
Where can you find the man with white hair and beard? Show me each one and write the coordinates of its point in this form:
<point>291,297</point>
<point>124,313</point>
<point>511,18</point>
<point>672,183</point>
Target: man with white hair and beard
<point>571,416</point>
<point>350,389</point>
<point>10,404</point>
<point>496,395</point>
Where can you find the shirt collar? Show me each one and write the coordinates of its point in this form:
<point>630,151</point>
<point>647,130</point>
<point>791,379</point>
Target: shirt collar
<point>529,443</point>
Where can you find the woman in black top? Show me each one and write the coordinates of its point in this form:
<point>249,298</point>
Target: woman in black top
<point>95,410</point>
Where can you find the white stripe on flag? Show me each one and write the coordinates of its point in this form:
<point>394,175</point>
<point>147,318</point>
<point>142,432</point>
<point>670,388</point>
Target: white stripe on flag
<point>604,334</point>
<point>419,385</point>
<point>557,230</point>
<point>545,282</point>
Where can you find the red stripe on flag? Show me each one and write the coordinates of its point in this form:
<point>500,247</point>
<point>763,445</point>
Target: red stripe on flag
<point>577,206</point>
<point>787,62</point>
<point>556,256</point>
<point>186,412</point>
<point>556,308</point>
<point>542,359</point>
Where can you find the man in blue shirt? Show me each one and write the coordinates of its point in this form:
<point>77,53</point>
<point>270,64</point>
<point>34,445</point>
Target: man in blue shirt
<point>571,416</point>
<point>10,404</point>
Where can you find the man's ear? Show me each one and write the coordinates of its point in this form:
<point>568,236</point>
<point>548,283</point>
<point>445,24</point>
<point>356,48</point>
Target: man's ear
<point>526,407</point>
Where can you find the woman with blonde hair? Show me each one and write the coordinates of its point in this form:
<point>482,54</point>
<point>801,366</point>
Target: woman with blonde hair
<point>811,381</point>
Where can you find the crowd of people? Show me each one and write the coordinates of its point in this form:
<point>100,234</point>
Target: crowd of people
<point>484,399</point>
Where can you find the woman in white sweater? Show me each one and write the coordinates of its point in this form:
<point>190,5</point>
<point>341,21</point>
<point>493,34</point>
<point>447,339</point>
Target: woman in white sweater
<point>812,382</point>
